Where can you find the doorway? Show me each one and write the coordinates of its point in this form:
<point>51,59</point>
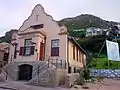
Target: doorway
<point>25,72</point>
<point>41,56</point>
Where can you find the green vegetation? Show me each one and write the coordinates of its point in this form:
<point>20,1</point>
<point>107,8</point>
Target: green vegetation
<point>102,63</point>
<point>93,44</point>
<point>8,36</point>
<point>84,75</point>
<point>80,34</point>
<point>85,21</point>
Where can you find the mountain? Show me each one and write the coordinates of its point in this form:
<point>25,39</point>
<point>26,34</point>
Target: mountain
<point>86,20</point>
<point>79,22</point>
<point>8,36</point>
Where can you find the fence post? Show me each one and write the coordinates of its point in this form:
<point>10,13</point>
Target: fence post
<point>61,63</point>
<point>48,63</point>
<point>52,62</point>
<point>56,63</point>
<point>65,64</point>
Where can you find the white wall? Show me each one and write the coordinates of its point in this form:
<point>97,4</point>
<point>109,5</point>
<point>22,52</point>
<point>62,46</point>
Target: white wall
<point>51,30</point>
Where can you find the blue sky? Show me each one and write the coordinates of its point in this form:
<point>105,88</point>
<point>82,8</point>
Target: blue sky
<point>14,12</point>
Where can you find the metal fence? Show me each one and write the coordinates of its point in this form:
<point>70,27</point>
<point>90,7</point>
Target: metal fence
<point>57,63</point>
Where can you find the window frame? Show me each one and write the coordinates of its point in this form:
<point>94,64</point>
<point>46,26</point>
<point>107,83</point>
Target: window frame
<point>26,46</point>
<point>77,52</point>
<point>55,47</point>
<point>73,52</point>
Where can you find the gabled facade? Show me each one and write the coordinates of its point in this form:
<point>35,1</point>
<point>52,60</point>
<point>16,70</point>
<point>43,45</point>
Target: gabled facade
<point>38,32</point>
<point>40,38</point>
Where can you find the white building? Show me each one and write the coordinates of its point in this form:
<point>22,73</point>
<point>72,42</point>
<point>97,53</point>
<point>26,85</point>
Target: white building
<point>93,31</point>
<point>40,48</point>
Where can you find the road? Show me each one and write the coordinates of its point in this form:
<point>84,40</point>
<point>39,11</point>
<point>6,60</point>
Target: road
<point>109,84</point>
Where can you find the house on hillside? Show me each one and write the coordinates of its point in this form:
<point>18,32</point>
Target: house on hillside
<point>93,31</point>
<point>42,42</point>
<point>4,53</point>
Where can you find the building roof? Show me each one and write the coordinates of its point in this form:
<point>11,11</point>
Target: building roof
<point>71,38</point>
<point>4,45</point>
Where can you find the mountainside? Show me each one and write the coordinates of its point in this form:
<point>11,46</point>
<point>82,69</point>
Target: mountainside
<point>8,36</point>
<point>85,20</point>
<point>79,22</point>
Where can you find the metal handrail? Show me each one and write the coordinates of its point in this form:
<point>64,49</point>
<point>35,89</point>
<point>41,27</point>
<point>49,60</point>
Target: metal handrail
<point>50,61</point>
<point>38,66</point>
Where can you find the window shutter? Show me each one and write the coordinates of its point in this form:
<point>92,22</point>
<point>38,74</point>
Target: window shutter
<point>15,52</point>
<point>21,51</point>
<point>32,50</point>
<point>24,50</point>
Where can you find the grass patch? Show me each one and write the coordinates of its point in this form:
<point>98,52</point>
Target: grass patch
<point>102,63</point>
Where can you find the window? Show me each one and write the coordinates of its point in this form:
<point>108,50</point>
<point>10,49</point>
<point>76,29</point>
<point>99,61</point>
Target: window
<point>27,46</point>
<point>28,49</point>
<point>37,26</point>
<point>80,54</point>
<point>98,32</point>
<point>55,47</point>
<point>28,42</point>
<point>21,51</point>
<point>69,69</point>
<point>73,52</point>
<point>74,69</point>
<point>77,53</point>
<point>93,31</point>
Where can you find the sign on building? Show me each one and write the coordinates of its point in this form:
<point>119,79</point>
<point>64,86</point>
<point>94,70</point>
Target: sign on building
<point>112,50</point>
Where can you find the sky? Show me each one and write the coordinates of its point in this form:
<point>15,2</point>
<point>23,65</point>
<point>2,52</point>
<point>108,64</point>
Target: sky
<point>14,12</point>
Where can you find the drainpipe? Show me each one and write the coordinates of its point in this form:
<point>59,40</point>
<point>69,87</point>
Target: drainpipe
<point>67,54</point>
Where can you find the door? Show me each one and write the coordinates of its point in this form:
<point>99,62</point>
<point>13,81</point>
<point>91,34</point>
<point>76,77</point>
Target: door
<point>41,56</point>
<point>6,56</point>
<point>25,72</point>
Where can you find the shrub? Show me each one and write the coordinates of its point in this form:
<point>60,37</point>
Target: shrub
<point>94,65</point>
<point>86,74</point>
<point>80,81</point>
<point>105,64</point>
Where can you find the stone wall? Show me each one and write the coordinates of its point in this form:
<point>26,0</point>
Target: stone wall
<point>108,73</point>
<point>13,69</point>
<point>71,78</point>
<point>60,75</point>
<point>51,77</point>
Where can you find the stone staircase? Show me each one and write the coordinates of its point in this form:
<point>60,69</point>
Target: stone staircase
<point>43,75</point>
<point>40,68</point>
<point>44,72</point>
<point>7,71</point>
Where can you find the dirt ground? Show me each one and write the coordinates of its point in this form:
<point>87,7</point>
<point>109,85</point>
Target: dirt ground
<point>108,84</point>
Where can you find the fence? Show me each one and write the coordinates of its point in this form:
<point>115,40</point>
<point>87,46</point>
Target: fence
<point>50,63</point>
<point>58,63</point>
